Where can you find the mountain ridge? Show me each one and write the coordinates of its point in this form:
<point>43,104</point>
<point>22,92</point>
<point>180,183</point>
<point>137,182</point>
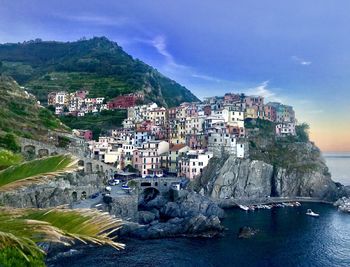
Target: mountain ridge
<point>98,64</point>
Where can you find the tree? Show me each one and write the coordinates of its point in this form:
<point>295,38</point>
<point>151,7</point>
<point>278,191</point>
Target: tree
<point>22,229</point>
<point>9,142</point>
<point>302,132</point>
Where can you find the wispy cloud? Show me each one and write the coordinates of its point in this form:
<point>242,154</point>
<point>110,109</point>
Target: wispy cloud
<point>96,20</point>
<point>159,42</point>
<point>263,90</point>
<point>206,77</point>
<point>301,61</point>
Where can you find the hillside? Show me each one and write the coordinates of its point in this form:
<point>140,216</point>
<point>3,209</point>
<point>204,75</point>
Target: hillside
<point>21,115</point>
<point>97,64</point>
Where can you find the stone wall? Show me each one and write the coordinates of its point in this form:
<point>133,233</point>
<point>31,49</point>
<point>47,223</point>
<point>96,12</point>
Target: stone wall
<point>124,207</point>
<point>61,190</point>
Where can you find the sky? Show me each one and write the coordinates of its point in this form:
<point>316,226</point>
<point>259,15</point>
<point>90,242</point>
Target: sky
<point>296,52</point>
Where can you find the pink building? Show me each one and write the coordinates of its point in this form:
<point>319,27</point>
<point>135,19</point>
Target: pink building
<point>147,162</point>
<point>270,113</point>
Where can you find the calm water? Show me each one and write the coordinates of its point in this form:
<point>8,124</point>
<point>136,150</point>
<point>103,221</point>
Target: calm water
<point>339,166</point>
<point>287,237</point>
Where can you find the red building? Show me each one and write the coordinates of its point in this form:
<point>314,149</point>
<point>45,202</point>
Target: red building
<point>270,113</point>
<point>124,101</point>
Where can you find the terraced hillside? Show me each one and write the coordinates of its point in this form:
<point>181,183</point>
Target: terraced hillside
<point>98,64</point>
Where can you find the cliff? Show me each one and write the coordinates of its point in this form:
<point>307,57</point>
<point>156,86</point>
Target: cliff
<point>276,167</point>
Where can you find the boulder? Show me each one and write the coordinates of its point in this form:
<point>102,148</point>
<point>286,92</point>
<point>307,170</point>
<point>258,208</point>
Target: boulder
<point>247,232</point>
<point>146,217</point>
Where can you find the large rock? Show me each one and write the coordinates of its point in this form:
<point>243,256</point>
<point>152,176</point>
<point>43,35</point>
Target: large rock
<point>146,217</point>
<point>192,204</point>
<point>240,178</point>
<point>190,215</point>
<point>305,174</point>
<point>199,225</point>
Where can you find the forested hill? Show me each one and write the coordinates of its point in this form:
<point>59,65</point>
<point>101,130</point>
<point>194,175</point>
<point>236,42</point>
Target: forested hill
<point>97,64</point>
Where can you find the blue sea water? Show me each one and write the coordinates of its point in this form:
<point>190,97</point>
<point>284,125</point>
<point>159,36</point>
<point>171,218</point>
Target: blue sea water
<point>339,166</point>
<point>287,237</point>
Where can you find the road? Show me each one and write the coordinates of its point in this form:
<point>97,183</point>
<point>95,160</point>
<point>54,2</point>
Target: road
<point>116,191</point>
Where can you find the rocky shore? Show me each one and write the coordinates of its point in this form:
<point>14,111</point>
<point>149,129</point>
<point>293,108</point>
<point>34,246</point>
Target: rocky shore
<point>343,204</point>
<point>189,215</point>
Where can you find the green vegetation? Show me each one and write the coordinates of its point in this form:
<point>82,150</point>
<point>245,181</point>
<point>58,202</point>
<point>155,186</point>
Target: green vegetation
<point>9,142</point>
<point>107,119</point>
<point>8,158</point>
<point>292,152</point>
<point>97,64</point>
<point>22,116</point>
<point>10,257</point>
<point>22,229</point>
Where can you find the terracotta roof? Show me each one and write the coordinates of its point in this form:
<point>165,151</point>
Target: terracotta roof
<point>177,147</point>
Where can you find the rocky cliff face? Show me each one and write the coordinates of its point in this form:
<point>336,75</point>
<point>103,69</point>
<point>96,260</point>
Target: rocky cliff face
<point>304,174</point>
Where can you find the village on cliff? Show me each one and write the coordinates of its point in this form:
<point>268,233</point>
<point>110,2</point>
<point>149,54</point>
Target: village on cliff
<point>179,141</point>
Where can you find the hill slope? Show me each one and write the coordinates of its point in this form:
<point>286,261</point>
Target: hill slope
<point>20,114</point>
<point>97,64</point>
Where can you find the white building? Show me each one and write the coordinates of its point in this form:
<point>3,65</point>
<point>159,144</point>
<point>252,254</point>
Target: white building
<point>285,129</point>
<point>61,98</point>
<point>191,165</point>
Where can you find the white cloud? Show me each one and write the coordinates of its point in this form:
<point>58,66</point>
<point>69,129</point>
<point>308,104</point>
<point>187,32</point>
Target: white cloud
<point>263,90</point>
<point>301,61</point>
<point>206,77</point>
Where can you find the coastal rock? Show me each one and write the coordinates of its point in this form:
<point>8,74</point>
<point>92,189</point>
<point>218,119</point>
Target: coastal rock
<point>247,232</point>
<point>190,215</point>
<point>192,204</point>
<point>199,225</point>
<point>303,173</point>
<point>343,204</point>
<point>239,178</point>
<point>146,217</point>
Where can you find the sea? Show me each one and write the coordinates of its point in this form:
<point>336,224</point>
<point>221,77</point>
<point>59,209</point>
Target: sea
<point>286,237</point>
<point>339,166</point>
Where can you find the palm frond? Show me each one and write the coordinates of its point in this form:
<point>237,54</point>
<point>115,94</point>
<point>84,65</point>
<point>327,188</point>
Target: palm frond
<point>85,225</point>
<point>35,171</point>
<point>22,229</point>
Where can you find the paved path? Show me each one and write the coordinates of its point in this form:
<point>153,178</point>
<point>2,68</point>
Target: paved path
<point>116,191</point>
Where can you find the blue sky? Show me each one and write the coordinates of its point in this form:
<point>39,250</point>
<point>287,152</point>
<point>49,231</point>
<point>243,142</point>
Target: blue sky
<point>296,51</point>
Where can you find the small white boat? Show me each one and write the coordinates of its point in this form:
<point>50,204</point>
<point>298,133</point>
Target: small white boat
<point>243,207</point>
<point>311,213</point>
